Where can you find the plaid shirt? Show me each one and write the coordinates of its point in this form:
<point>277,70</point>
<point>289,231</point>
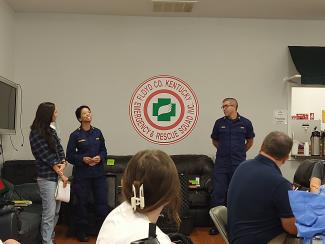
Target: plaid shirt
<point>45,158</point>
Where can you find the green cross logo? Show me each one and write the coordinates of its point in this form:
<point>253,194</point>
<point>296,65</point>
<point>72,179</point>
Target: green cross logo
<point>164,109</point>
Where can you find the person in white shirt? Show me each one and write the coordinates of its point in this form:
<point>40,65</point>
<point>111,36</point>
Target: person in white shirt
<point>10,241</point>
<point>150,183</point>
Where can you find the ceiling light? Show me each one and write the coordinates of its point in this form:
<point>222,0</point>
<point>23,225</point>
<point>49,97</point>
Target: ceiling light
<point>185,6</point>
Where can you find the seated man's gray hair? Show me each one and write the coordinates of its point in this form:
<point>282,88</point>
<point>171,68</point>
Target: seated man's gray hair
<point>277,144</point>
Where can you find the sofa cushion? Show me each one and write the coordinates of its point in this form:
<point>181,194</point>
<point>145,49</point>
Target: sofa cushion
<point>189,164</point>
<point>19,171</point>
<point>193,164</point>
<point>28,191</point>
<point>199,198</point>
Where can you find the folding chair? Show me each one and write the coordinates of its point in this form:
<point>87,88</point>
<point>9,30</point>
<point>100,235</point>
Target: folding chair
<point>219,216</point>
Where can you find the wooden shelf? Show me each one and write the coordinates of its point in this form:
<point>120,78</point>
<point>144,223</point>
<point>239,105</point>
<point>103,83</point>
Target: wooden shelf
<point>302,157</point>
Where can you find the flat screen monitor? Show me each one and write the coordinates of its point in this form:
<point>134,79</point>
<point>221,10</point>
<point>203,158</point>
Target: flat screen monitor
<point>8,106</point>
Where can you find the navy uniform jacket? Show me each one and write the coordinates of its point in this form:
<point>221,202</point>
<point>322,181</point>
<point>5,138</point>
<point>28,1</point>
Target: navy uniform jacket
<point>231,136</point>
<point>86,144</point>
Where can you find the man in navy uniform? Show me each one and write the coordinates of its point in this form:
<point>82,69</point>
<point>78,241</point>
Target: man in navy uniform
<point>86,150</point>
<point>232,135</point>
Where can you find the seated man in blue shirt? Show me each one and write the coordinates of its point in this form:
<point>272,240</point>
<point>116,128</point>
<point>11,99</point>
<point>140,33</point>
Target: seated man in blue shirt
<point>258,204</point>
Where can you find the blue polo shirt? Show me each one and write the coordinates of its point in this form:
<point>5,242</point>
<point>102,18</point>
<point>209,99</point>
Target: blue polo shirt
<point>257,199</point>
<point>231,136</point>
<point>86,144</point>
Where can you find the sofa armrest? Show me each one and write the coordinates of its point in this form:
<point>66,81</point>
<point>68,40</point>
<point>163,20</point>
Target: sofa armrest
<point>9,223</point>
<point>7,209</point>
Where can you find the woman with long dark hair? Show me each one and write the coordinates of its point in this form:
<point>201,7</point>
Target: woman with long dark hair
<point>50,164</point>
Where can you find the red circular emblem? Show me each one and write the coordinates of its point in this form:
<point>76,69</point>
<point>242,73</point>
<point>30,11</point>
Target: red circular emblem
<point>164,109</point>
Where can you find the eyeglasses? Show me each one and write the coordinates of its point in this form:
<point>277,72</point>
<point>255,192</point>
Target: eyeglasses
<point>226,106</point>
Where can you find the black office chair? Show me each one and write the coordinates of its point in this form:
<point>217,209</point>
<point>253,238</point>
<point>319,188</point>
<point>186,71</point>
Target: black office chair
<point>301,179</point>
<point>177,238</point>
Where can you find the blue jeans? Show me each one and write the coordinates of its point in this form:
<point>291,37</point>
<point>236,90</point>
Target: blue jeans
<point>50,209</point>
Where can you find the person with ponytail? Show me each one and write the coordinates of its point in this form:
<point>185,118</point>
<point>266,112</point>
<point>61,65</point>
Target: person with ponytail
<point>150,183</point>
<point>50,165</point>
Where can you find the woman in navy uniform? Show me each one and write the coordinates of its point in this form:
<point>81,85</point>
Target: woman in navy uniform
<point>86,150</point>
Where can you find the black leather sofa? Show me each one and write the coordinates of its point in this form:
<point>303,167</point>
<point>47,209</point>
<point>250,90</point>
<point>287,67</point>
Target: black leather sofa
<point>197,167</point>
<point>20,223</point>
<point>193,166</point>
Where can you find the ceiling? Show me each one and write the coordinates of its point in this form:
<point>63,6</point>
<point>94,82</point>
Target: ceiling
<point>274,9</point>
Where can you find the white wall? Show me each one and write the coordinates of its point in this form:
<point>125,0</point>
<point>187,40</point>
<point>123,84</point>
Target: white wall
<point>100,60</point>
<point>6,40</point>
<point>7,23</point>
<point>308,100</point>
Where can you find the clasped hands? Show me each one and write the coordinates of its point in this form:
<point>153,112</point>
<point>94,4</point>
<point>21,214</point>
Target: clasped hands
<point>92,161</point>
<point>60,171</point>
